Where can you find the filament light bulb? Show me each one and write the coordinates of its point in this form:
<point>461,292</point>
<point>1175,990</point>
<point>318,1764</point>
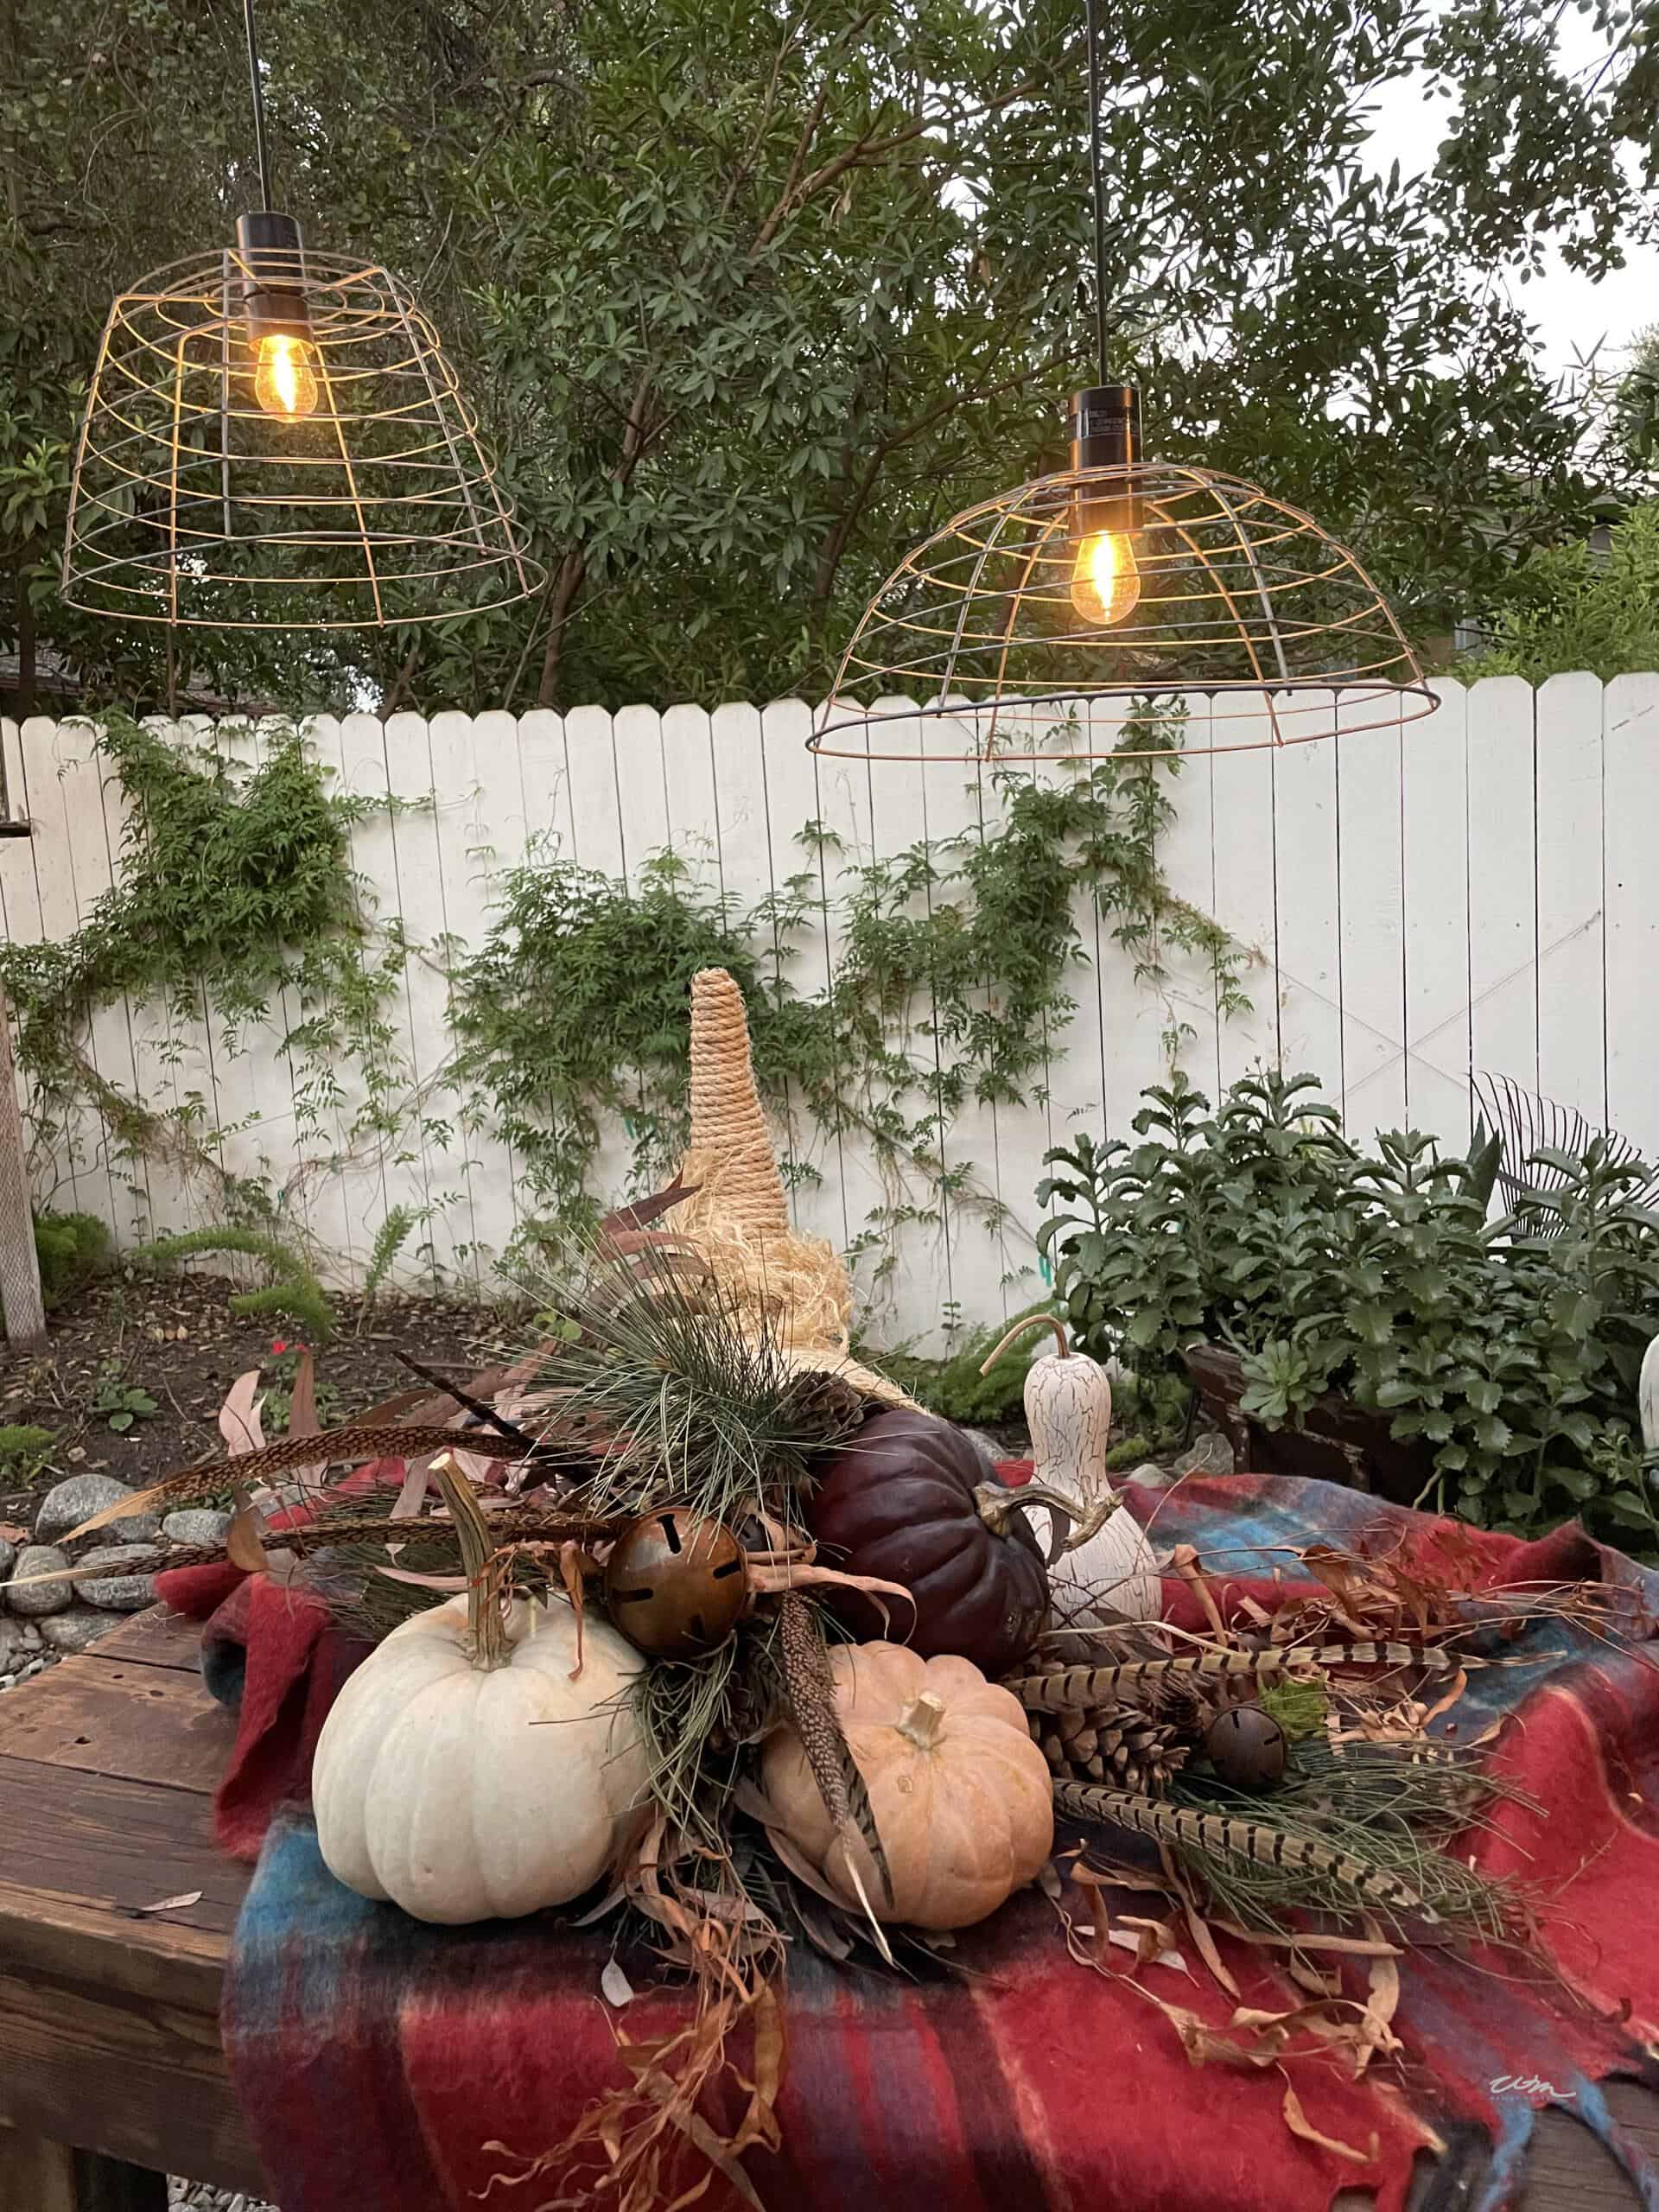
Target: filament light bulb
<point>284,380</point>
<point>1106,580</point>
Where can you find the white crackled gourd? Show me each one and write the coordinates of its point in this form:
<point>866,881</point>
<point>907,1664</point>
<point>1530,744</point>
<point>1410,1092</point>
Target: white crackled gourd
<point>1068,1399</point>
<point>434,1786</point>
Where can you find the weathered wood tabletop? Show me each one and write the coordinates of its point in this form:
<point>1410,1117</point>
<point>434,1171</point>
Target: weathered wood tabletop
<point>111,2070</point>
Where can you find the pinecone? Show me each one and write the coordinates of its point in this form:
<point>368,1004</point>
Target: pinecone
<point>1119,1747</point>
<point>823,1404</point>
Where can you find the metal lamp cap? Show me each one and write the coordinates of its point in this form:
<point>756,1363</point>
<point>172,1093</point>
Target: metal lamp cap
<point>272,255</point>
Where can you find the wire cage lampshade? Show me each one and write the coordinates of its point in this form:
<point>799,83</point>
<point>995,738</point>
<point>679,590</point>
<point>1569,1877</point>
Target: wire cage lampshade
<point>1029,626</point>
<point>276,440</point>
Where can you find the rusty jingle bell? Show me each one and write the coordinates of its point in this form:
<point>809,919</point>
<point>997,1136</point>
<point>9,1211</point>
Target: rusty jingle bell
<point>675,1583</point>
<point>1247,1747</point>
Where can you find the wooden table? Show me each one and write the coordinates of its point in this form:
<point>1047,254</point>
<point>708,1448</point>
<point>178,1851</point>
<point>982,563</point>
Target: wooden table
<point>110,2070</point>
<point>109,2024</point>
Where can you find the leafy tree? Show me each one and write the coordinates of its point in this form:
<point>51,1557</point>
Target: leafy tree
<point>752,295</point>
<point>1581,606</point>
<point>1635,403</point>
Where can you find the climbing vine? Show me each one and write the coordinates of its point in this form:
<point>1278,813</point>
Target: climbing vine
<point>235,887</point>
<point>951,980</point>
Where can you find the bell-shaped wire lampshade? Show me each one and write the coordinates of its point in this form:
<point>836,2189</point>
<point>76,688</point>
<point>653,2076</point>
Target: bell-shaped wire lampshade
<point>986,643</point>
<point>328,476</point>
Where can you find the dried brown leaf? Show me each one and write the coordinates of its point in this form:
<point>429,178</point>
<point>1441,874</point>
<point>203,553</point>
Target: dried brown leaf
<point>243,1542</point>
<point>1300,2125</point>
<point>303,1400</point>
<point>451,1585</point>
<point>1382,2002</point>
<point>238,1417</point>
<point>614,1985</point>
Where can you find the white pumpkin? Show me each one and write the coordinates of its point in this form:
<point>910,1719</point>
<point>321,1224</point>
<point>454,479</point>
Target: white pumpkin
<point>435,1787</point>
<point>1068,1398</point>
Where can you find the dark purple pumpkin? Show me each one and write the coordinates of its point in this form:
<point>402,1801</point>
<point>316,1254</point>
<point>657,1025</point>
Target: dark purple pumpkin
<point>910,1499</point>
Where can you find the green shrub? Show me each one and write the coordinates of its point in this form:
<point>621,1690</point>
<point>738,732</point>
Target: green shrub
<point>1570,608</point>
<point>955,1388</point>
<point>25,1451</point>
<point>1511,1348</point>
<point>294,1289</point>
<point>71,1248</point>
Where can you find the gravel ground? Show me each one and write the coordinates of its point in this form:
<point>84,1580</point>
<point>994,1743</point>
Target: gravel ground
<point>39,1664</point>
<point>198,2197</point>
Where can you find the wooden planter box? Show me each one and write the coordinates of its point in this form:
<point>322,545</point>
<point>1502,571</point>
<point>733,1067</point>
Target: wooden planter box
<point>1338,1442</point>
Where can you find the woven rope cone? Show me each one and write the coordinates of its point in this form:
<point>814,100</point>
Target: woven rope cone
<point>793,1286</point>
<point>727,1121</point>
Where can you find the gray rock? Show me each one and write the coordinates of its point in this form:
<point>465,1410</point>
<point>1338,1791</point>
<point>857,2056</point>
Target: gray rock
<point>73,1630</point>
<point>7,1554</point>
<point>122,1583</point>
<point>68,1504</point>
<point>1149,1473</point>
<point>1211,1454</point>
<point>15,1652</point>
<point>197,1524</point>
<point>48,1598</point>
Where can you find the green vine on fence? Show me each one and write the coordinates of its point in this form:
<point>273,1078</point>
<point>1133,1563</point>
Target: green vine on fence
<point>235,885</point>
<point>952,983</point>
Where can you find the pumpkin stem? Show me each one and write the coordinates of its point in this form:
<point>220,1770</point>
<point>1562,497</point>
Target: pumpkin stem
<point>922,1720</point>
<point>1070,1522</point>
<point>1031,1321</point>
<point>487,1631</point>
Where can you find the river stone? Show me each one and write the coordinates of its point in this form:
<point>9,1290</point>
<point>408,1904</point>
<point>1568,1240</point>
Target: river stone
<point>75,1630</point>
<point>1211,1455</point>
<point>16,1649</point>
<point>197,1524</point>
<point>70,1503</point>
<point>123,1581</point>
<point>7,1554</point>
<point>51,1597</point>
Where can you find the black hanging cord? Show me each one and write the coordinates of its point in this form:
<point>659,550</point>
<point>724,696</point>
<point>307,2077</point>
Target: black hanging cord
<point>1100,186</point>
<point>263,152</point>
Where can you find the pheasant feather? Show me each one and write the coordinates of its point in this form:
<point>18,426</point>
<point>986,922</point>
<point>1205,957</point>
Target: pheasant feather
<point>810,1689</point>
<point>1083,1689</point>
<point>355,1441</point>
<point>1222,1835</point>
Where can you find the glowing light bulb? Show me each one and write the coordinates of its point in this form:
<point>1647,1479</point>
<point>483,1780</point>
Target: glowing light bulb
<point>284,382</point>
<point>1105,582</point>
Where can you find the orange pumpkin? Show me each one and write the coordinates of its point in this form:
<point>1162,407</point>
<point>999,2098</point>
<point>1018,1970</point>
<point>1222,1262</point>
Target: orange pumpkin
<point>963,1799</point>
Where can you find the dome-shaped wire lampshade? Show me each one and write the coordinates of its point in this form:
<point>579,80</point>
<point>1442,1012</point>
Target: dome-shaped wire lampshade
<point>1244,602</point>
<point>191,503</point>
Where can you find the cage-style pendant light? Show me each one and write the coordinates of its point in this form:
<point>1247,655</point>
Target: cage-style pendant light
<point>276,440</point>
<point>1031,625</point>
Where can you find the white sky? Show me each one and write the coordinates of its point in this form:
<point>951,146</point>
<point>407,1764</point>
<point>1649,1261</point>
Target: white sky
<point>1571,312</point>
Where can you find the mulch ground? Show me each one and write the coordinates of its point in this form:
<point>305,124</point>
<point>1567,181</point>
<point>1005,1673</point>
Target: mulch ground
<point>175,1337</point>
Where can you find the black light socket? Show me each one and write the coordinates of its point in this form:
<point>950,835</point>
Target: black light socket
<point>1105,428</point>
<point>273,290</point>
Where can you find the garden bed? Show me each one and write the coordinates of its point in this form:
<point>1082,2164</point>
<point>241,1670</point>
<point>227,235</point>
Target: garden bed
<point>174,1339</point>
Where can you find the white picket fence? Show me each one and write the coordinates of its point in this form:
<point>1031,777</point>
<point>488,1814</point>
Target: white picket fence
<point>1477,891</point>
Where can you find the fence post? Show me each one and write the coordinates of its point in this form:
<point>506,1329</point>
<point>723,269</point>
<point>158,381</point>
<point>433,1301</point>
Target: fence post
<point>19,1267</point>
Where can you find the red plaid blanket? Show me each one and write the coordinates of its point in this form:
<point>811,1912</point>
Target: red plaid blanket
<point>395,2068</point>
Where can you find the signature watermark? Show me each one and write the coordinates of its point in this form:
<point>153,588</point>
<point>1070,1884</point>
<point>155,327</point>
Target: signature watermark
<point>1524,2085</point>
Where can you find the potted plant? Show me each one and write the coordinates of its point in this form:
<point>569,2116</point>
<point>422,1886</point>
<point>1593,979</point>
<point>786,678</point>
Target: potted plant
<point>1355,1315</point>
